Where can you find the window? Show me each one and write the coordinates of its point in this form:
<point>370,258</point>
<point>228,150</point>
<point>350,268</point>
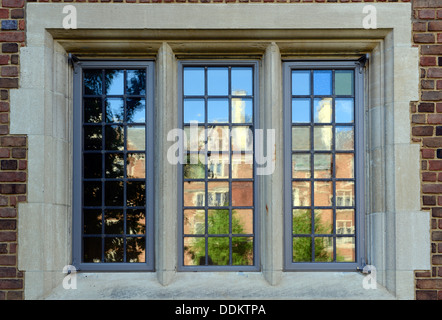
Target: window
<point>113,123</point>
<point>323,163</point>
<point>218,223</point>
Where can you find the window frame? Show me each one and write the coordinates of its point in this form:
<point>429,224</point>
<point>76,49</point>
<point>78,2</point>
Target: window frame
<point>180,206</point>
<point>359,111</point>
<point>77,200</point>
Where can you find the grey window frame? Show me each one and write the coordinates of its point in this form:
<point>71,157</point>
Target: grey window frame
<point>77,223</point>
<point>359,263</point>
<point>256,226</point>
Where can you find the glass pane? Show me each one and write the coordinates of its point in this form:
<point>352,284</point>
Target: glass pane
<point>114,165</point>
<point>114,82</point>
<point>323,249</point>
<point>114,138</point>
<point>136,249</point>
<point>242,251</point>
<point>344,110</point>
<point>301,82</point>
<point>114,193</point>
<point>91,193</point>
<point>300,110</point>
<point>344,138</point>
<point>218,221</point>
<point>114,249</point>
<point>344,82</point>
<point>301,166</point>
<point>345,165</point>
<point>323,110</point>
<point>136,138</point>
<point>194,81</point>
<point>136,194</point>
<point>345,249</point>
<point>92,221</point>
<point>242,81</point>
<point>194,110</point>
<point>345,221</point>
<point>92,249</point>
<point>92,165</point>
<point>93,110</point>
<point>302,221</point>
<point>217,110</point>
<point>92,81</point>
<point>323,221</point>
<point>242,110</point>
<point>195,138</point>
<point>114,222</point>
<point>301,138</point>
<point>242,139</point>
<point>323,195</point>
<point>345,193</point>
<point>302,249</point>
<point>136,82</point>
<point>323,163</point>
<point>218,251</point>
<point>92,137</point>
<point>242,193</point>
<point>194,171</point>
<point>323,137</point>
<point>242,221</point>
<point>218,138</point>
<point>301,193</point>
<point>135,222</point>
<point>194,221</point>
<point>242,166</point>
<point>194,194</point>
<point>136,166</point>
<point>218,81</point>
<point>194,251</point>
<point>322,82</point>
<point>136,110</point>
<point>218,166</point>
<point>114,110</point>
<point>218,193</point>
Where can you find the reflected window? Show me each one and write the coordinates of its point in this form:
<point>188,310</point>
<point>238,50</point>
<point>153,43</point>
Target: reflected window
<point>115,118</point>
<point>217,110</point>
<point>320,119</point>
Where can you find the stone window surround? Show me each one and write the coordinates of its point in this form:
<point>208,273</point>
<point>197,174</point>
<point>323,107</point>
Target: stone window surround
<point>396,230</point>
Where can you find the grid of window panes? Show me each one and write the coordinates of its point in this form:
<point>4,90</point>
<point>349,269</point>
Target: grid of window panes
<point>218,175</point>
<point>323,165</point>
<point>114,166</point>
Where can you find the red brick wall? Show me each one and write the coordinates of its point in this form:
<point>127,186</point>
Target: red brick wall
<point>426,130</point>
<point>426,118</point>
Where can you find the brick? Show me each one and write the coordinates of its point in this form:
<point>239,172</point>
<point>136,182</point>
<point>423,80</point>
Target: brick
<point>12,188</point>
<point>9,72</point>
<point>4,13</point>
<point>439,153</point>
<point>429,176</point>
<point>8,212</point>
<point>9,47</point>
<point>429,200</point>
<point>427,3</point>
<point>432,188</point>
<point>4,200</point>
<point>426,295</point>
<point>422,131</point>
<point>435,26</point>
<point>3,249</point>
<point>436,236</point>
<point>16,36</point>
<point>14,59</point>
<point>434,73</point>
<point>429,95</point>
<point>419,26</point>
<point>4,106</point>
<point>8,164</point>
<point>436,260</point>
<point>9,83</point>
<point>433,49</point>
<point>427,84</point>
<point>4,59</point>
<point>11,284</point>
<point>7,260</point>
<point>7,272</point>
<point>14,295</point>
<point>429,283</point>
<point>439,107</point>
<point>13,3</point>
<point>22,164</point>
<point>9,25</point>
<point>425,107</point>
<point>19,153</point>
<point>434,118</point>
<point>435,165</point>
<point>427,153</point>
<point>439,84</point>
<point>13,141</point>
<point>426,14</point>
<point>7,224</point>
<point>424,38</point>
<point>17,14</point>
<point>12,176</point>
<point>423,274</point>
<point>439,131</point>
<point>418,118</point>
<point>433,142</point>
